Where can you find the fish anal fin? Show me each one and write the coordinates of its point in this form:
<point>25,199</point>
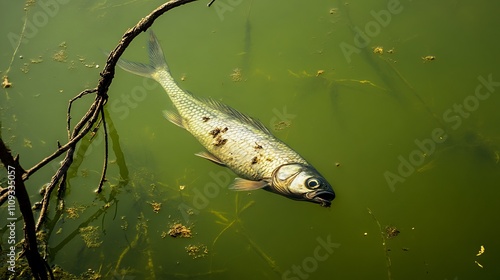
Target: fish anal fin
<point>173,118</point>
<point>240,184</point>
<point>210,157</point>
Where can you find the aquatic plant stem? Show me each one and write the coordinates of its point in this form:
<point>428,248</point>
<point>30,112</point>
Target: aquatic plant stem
<point>26,9</point>
<point>384,244</point>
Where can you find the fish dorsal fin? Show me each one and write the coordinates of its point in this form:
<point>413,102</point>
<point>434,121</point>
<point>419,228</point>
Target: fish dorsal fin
<point>237,114</point>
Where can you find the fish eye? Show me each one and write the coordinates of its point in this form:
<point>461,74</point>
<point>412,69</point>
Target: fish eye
<point>312,183</point>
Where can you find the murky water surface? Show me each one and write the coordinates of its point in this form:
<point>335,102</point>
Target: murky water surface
<point>395,102</point>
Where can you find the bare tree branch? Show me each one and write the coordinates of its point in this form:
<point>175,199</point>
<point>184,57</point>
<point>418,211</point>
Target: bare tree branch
<point>35,261</point>
<point>37,264</point>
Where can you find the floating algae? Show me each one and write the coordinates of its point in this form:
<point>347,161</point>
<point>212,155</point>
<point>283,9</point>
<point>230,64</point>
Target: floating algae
<point>74,212</point>
<point>90,236</point>
<point>60,56</point>
<point>197,251</point>
<point>179,230</point>
<point>391,232</point>
<point>236,75</point>
<point>156,206</point>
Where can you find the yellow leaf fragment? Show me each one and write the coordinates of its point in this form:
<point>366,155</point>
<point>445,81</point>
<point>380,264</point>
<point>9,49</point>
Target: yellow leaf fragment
<point>6,83</point>
<point>481,251</point>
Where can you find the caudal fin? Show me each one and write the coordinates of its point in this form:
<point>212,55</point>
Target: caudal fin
<point>156,64</point>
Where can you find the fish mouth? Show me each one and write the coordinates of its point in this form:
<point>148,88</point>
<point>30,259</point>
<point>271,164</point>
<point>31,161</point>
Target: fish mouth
<point>321,197</point>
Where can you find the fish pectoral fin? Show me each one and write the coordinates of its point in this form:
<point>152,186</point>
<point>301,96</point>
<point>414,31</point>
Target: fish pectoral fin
<point>210,157</point>
<point>173,118</point>
<point>240,184</point>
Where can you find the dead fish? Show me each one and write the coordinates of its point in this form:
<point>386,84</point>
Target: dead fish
<point>235,140</point>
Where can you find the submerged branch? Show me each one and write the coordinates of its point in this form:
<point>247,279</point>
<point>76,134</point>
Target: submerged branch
<point>38,266</point>
<point>30,248</point>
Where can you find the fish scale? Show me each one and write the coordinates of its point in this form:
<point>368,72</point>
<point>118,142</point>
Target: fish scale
<point>237,140</point>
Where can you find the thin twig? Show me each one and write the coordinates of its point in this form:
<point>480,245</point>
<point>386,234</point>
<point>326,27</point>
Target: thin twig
<point>68,117</point>
<point>106,150</point>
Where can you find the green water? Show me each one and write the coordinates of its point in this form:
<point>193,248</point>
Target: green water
<point>366,111</point>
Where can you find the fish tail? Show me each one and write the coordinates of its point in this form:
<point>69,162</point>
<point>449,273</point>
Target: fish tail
<point>157,62</point>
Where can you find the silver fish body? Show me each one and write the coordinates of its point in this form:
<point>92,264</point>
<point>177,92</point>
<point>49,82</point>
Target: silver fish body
<point>235,140</point>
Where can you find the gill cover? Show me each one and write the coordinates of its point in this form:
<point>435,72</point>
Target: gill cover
<point>302,182</point>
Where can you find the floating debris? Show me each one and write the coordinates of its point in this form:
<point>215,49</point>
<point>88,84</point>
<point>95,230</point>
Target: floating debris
<point>27,143</point>
<point>124,225</point>
<point>90,236</point>
<point>319,72</point>
<point>36,60</point>
<point>6,83</point>
<point>29,3</point>
<point>378,50</point>
<point>333,11</point>
<point>25,69</point>
<point>481,251</point>
<point>428,58</point>
<point>391,231</point>
<point>197,251</point>
<point>60,56</point>
<point>478,264</point>
<point>236,76</point>
<point>156,206</point>
<point>179,229</point>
